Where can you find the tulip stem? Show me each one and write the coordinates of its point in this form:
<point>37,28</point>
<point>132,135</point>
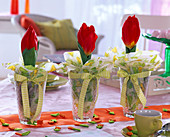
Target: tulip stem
<point>84,58</point>
<point>131,50</point>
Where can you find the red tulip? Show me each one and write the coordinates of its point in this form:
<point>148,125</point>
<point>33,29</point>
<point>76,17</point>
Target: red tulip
<point>29,47</point>
<point>130,32</point>
<point>29,40</point>
<point>87,38</point>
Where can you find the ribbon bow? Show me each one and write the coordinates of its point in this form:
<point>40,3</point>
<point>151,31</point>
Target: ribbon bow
<point>134,78</point>
<point>87,77</point>
<point>25,94</point>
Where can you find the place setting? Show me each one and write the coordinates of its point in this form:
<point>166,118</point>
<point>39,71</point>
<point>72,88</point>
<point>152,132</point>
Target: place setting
<point>147,124</point>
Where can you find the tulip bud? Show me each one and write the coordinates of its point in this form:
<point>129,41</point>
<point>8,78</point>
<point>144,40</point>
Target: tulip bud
<point>130,33</point>
<point>86,41</point>
<point>29,47</point>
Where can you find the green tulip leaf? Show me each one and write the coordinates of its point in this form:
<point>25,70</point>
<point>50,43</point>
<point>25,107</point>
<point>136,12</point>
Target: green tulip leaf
<point>30,56</point>
<point>84,58</point>
<point>30,67</point>
<point>38,45</point>
<point>128,50</point>
<point>162,40</point>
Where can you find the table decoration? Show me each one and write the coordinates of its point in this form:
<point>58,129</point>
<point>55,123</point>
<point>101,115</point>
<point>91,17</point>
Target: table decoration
<point>84,72</point>
<point>30,79</point>
<point>161,82</point>
<point>13,119</point>
<point>134,67</point>
<point>162,37</point>
<point>126,132</point>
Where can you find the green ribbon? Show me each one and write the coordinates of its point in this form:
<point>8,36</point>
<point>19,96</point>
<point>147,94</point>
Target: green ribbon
<point>87,77</point>
<point>25,94</point>
<point>134,78</point>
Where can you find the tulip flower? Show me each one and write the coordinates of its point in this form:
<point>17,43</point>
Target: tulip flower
<point>29,47</point>
<point>86,41</point>
<point>130,33</point>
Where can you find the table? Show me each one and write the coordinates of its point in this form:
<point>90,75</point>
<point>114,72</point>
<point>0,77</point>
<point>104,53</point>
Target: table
<point>108,97</point>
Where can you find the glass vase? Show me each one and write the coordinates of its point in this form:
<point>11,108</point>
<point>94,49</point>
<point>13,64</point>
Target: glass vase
<point>89,101</point>
<point>132,100</point>
<point>33,95</point>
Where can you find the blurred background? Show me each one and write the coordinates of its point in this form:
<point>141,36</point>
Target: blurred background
<point>105,15</point>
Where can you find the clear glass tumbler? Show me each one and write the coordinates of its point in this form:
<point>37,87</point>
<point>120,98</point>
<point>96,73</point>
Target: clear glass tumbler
<point>132,100</point>
<point>33,93</point>
<point>89,101</point>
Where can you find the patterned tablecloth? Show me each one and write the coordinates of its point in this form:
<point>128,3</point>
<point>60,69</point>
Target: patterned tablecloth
<point>60,100</point>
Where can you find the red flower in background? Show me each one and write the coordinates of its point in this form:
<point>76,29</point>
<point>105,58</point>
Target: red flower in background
<point>29,40</point>
<point>130,32</point>
<point>87,38</point>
